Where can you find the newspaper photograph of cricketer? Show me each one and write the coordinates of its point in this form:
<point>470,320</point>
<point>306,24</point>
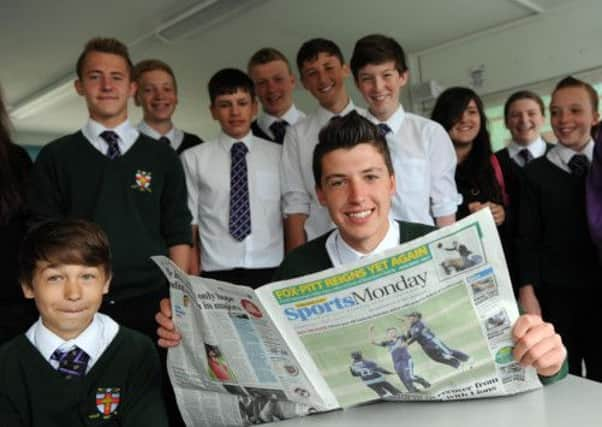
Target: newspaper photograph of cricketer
<point>428,320</point>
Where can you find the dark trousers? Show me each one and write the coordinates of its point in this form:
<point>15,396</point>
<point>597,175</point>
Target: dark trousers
<point>383,388</point>
<point>138,313</point>
<point>575,314</point>
<point>253,277</point>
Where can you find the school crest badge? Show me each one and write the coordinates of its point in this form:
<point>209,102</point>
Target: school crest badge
<point>107,400</point>
<point>143,181</point>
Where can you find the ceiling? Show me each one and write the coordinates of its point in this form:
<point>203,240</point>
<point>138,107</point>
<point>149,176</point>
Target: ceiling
<point>40,41</point>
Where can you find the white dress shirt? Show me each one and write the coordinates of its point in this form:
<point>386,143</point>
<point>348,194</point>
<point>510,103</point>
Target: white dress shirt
<point>296,175</point>
<point>340,253</point>
<point>207,168</point>
<point>560,155</point>
<point>174,135</point>
<point>94,340</point>
<point>424,161</point>
<point>292,116</point>
<point>537,149</point>
<point>127,133</point>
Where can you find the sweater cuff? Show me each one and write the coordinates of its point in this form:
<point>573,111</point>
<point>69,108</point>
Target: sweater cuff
<point>564,370</point>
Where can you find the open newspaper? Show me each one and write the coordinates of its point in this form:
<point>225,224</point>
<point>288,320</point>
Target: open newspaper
<point>428,320</point>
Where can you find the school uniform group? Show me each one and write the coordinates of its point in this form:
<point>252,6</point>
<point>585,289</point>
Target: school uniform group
<point>276,195</point>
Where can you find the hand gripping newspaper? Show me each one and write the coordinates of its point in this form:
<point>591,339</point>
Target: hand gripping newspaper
<point>428,320</point>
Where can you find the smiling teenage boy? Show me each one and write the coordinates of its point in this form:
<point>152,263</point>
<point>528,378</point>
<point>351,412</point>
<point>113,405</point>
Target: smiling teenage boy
<point>323,72</point>
<point>422,153</point>
<point>274,84</point>
<point>234,190</point>
<point>74,366</point>
<point>157,94</point>
<point>355,180</point>
<point>125,182</point>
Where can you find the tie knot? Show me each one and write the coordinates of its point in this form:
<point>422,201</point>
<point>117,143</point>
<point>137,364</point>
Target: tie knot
<point>526,155</point>
<point>579,164</point>
<point>239,149</point>
<point>72,362</point>
<point>278,129</point>
<point>383,129</point>
<point>279,124</point>
<point>164,140</point>
<point>110,137</point>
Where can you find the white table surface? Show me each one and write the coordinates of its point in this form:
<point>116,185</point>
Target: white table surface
<point>573,402</point>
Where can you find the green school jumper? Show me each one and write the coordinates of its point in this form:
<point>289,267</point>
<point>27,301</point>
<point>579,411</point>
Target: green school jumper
<point>139,200</point>
<point>123,388</point>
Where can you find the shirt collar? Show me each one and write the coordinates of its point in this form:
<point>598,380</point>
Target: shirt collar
<point>126,132</point>
<point>325,115</point>
<point>227,141</point>
<point>174,135</point>
<point>291,116</point>
<point>394,122</point>
<point>566,153</point>
<point>340,253</point>
<point>537,148</point>
<point>149,131</point>
<point>47,342</point>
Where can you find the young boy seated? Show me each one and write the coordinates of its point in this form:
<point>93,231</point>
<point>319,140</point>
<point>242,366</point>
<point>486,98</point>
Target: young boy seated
<point>75,366</point>
<point>354,179</point>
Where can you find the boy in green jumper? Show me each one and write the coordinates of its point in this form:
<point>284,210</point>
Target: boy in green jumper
<point>355,180</point>
<point>122,180</point>
<point>75,366</point>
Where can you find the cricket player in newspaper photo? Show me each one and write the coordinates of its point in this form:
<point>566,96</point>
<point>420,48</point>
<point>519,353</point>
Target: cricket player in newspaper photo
<point>433,346</point>
<point>372,375</point>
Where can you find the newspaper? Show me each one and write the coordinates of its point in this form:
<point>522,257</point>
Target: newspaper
<point>428,320</point>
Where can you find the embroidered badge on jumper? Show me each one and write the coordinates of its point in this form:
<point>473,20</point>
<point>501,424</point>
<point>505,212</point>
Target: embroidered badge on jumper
<point>107,400</point>
<point>143,181</point>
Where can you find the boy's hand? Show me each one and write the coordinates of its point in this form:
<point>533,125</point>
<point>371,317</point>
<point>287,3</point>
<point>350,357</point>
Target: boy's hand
<point>498,212</point>
<point>474,207</point>
<point>538,345</point>
<point>168,336</point>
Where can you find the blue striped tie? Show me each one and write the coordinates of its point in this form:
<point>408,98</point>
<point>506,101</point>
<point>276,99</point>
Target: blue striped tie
<point>240,212</point>
<point>112,139</point>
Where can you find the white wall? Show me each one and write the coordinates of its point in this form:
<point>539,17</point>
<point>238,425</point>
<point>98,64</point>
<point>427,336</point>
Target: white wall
<point>561,41</point>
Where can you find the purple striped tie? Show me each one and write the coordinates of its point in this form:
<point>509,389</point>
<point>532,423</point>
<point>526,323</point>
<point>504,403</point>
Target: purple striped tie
<point>72,363</point>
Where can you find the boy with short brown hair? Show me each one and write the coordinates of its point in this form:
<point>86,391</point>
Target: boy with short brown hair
<point>157,94</point>
<point>234,190</point>
<point>75,366</point>
<point>110,174</point>
<point>274,85</point>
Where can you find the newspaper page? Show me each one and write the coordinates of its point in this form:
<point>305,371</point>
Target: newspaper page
<point>232,367</point>
<point>428,320</point>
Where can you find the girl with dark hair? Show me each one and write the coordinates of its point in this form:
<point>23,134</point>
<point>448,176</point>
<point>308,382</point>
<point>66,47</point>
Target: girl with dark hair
<point>478,175</point>
<point>16,313</point>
